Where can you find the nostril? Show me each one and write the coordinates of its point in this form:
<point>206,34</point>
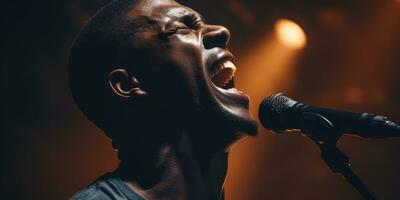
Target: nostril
<point>217,37</point>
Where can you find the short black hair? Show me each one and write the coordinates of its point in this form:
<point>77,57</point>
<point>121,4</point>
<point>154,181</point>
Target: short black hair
<point>96,50</point>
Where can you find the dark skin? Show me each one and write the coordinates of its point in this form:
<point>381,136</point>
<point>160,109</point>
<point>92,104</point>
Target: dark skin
<point>188,80</point>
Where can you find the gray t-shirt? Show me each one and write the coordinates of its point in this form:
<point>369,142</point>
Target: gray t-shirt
<point>107,187</point>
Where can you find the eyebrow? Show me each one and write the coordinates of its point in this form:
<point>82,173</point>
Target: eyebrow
<point>201,17</point>
<point>191,16</point>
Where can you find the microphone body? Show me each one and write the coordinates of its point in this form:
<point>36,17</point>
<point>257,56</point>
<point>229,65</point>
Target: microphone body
<point>279,113</point>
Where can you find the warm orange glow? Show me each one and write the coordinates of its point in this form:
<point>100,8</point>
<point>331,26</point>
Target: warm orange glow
<point>268,69</point>
<point>290,34</point>
<point>354,95</point>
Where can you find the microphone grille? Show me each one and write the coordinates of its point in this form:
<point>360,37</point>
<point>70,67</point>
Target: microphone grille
<point>269,112</point>
<point>276,102</point>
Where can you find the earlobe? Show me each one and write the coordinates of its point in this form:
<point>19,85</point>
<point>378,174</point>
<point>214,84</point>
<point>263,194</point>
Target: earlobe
<point>124,85</point>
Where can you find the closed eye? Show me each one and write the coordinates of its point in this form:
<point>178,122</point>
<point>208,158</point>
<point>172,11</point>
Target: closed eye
<point>185,24</point>
<point>176,27</point>
<point>197,24</point>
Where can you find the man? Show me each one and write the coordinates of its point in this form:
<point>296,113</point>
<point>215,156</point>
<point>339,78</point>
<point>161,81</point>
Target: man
<point>158,81</point>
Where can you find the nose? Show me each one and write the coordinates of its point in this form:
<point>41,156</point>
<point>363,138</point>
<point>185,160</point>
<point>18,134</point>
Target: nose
<point>216,36</point>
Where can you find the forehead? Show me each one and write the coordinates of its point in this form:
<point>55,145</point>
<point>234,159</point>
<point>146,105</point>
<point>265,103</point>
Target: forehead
<point>159,11</point>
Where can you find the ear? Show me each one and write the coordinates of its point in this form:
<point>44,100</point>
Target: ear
<point>125,86</point>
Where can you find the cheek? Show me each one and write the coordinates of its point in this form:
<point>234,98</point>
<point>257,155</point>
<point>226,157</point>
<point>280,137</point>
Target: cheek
<point>186,55</point>
<point>186,44</point>
<point>184,75</point>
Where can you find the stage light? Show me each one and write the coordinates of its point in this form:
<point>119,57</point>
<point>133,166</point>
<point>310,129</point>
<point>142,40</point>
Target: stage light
<point>266,67</point>
<point>290,34</point>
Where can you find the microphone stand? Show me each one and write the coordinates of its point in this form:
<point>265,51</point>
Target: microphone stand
<point>324,134</point>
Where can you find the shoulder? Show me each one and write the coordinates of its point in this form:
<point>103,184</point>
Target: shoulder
<point>106,188</point>
<point>90,192</point>
<point>99,190</point>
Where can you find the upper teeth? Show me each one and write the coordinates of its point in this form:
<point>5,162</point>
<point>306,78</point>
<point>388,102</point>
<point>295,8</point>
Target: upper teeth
<point>224,73</point>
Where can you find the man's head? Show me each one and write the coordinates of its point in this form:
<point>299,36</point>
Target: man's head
<point>156,66</point>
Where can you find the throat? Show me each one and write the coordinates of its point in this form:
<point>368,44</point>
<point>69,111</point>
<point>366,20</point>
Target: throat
<point>177,173</point>
<point>204,172</point>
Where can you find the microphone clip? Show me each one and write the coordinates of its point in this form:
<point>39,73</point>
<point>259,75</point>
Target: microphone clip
<point>325,135</point>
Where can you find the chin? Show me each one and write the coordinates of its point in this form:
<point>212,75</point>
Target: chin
<point>233,110</point>
<point>244,124</point>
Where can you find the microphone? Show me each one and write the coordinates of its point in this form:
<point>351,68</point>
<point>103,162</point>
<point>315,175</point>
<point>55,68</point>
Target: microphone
<point>279,113</point>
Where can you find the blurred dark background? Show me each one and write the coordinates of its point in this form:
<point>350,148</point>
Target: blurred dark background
<point>348,59</point>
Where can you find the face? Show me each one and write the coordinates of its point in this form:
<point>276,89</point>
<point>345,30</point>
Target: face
<point>189,71</point>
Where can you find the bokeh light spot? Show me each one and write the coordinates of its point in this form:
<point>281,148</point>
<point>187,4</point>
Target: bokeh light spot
<point>290,34</point>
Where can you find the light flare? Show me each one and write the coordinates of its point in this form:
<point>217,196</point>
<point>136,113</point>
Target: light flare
<point>290,34</point>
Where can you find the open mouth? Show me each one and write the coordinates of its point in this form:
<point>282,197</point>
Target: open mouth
<point>222,74</point>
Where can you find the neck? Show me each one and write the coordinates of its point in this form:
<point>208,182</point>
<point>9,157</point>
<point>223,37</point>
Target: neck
<point>175,171</point>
